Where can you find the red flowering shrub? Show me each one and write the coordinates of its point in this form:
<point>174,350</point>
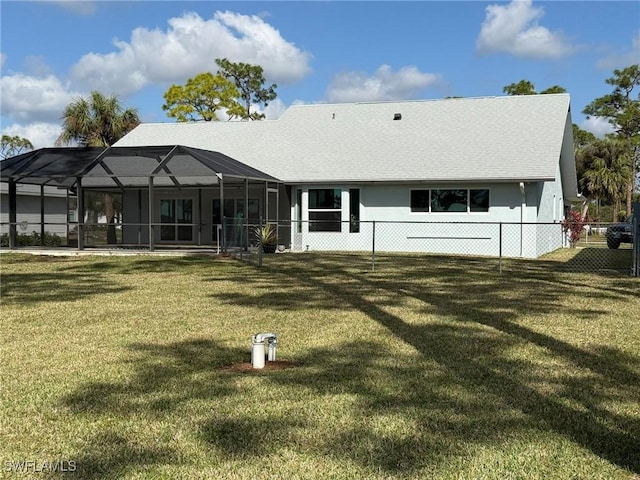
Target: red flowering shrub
<point>573,225</point>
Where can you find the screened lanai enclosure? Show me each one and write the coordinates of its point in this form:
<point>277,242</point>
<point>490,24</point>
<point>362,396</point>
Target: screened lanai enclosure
<point>136,197</point>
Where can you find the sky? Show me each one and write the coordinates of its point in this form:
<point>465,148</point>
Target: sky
<point>54,52</point>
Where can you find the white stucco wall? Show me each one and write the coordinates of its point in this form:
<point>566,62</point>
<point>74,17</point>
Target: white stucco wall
<point>398,229</point>
<point>550,215</point>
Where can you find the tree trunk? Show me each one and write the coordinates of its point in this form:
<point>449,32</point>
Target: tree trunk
<point>585,209</point>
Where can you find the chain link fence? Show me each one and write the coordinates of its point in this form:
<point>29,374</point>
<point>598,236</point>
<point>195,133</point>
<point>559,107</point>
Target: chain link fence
<point>501,245</point>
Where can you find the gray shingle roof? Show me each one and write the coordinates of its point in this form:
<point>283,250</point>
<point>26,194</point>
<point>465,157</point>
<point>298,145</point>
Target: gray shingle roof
<point>466,139</point>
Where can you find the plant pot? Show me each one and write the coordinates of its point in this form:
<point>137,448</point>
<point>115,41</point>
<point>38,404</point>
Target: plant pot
<point>269,248</point>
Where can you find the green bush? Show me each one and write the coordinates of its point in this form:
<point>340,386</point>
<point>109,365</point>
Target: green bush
<point>33,239</point>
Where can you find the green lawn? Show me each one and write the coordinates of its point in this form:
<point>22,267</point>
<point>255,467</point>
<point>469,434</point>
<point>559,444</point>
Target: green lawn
<point>426,368</point>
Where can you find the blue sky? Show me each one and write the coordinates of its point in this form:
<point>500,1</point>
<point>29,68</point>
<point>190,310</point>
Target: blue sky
<point>315,51</point>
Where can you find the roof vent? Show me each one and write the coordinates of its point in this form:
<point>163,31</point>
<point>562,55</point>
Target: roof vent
<point>397,116</point>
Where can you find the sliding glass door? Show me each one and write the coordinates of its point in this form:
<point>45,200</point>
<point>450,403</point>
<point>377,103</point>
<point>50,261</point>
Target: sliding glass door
<point>176,220</point>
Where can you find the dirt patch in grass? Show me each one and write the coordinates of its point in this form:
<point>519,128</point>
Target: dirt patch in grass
<point>246,367</point>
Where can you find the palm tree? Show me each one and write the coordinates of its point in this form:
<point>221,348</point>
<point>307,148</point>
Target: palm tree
<point>98,121</point>
<point>606,172</point>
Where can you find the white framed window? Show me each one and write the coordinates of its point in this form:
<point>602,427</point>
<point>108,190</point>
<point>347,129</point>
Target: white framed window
<point>450,200</point>
<point>325,209</point>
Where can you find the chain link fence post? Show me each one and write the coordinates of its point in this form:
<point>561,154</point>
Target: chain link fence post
<point>500,248</point>
<point>373,247</point>
<point>260,249</point>
<point>636,246</point>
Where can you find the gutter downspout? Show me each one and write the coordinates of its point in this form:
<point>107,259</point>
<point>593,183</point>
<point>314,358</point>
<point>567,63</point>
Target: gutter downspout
<point>523,194</point>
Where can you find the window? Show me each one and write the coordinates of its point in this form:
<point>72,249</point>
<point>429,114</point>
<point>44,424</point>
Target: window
<point>172,214</point>
<point>450,200</point>
<point>354,210</point>
<point>419,200</point>
<point>325,210</point>
<point>479,200</point>
<point>72,208</point>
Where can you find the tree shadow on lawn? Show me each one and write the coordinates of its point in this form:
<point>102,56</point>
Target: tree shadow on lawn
<point>149,264</point>
<point>477,298</point>
<point>73,278</point>
<point>462,390</point>
<point>33,288</point>
<point>165,376</point>
<point>445,405</point>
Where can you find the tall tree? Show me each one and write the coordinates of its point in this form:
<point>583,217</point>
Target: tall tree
<point>201,97</point>
<point>249,79</point>
<point>98,121</point>
<point>553,89</point>
<point>621,108</point>
<point>582,139</point>
<point>605,171</point>
<point>525,87</point>
<point>11,146</point>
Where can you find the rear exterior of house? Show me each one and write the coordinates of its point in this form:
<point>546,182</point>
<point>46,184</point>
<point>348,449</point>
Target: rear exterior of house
<point>485,176</point>
<point>464,176</point>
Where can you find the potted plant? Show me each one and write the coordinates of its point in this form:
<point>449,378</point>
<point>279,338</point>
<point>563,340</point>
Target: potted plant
<point>267,237</point>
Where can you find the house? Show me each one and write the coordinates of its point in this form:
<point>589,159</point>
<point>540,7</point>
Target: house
<point>463,175</point>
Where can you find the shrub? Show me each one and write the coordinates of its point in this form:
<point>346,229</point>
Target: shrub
<point>573,225</point>
<point>33,239</point>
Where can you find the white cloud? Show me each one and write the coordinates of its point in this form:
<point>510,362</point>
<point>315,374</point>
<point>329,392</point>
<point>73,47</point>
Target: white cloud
<point>514,29</point>
<point>619,60</point>
<point>3,59</point>
<point>189,46</point>
<point>598,126</point>
<point>34,99</point>
<point>39,134</point>
<point>383,85</point>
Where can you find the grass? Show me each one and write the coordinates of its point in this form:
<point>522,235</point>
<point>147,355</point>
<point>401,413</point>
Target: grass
<point>427,367</point>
